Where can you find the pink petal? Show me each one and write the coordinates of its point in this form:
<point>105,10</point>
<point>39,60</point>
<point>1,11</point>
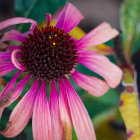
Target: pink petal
<point>69,17</point>
<point>41,116</point>
<point>6,67</point>
<point>55,115</point>
<point>13,35</point>
<point>21,113</point>
<point>65,113</point>
<point>102,65</point>
<point>99,35</point>
<point>9,87</point>
<point>48,18</point>
<point>81,120</point>
<point>5,56</point>
<point>17,20</point>
<point>92,85</point>
<point>12,48</point>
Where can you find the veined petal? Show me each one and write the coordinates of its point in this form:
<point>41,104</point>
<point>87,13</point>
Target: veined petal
<point>41,123</point>
<point>13,35</point>
<point>17,20</point>
<point>21,113</point>
<point>81,120</point>
<point>55,114</point>
<point>99,35</point>
<point>102,65</point>
<point>6,67</point>
<point>8,89</point>
<point>5,56</point>
<point>65,113</point>
<point>92,85</point>
<point>69,17</point>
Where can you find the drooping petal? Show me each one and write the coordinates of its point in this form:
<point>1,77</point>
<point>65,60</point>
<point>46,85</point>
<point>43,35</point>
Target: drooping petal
<point>80,118</point>
<point>13,35</point>
<point>55,115</point>
<point>10,94</point>
<point>6,92</point>
<point>21,113</point>
<point>65,113</point>
<point>41,116</point>
<point>5,56</point>
<point>6,67</point>
<point>99,35</point>
<point>69,17</point>
<point>92,85</point>
<point>102,66</point>
<point>17,20</point>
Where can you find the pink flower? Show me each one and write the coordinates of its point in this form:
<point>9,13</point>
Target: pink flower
<point>51,55</point>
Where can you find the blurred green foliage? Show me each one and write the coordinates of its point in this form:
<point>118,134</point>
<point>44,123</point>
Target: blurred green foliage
<point>130,21</point>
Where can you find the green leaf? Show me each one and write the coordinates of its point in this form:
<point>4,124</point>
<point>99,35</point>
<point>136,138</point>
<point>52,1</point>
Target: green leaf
<point>96,105</point>
<point>130,22</point>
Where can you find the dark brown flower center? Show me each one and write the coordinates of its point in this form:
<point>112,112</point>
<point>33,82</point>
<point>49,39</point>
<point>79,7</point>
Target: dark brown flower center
<point>49,53</point>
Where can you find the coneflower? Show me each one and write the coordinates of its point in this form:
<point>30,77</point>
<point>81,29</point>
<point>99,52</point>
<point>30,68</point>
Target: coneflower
<point>50,55</point>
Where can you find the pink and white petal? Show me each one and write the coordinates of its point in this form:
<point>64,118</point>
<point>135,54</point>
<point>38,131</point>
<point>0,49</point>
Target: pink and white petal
<point>55,114</point>
<point>65,113</point>
<point>17,20</point>
<point>69,18</point>
<point>5,56</point>
<point>41,122</point>
<point>6,92</point>
<point>13,35</point>
<point>92,85</point>
<point>21,113</point>
<point>99,35</point>
<point>12,48</point>
<point>102,66</point>
<point>81,120</point>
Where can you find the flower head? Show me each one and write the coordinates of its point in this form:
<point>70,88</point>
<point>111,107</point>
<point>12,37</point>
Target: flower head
<point>50,55</point>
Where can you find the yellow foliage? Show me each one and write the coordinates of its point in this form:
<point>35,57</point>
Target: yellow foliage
<point>130,114</point>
